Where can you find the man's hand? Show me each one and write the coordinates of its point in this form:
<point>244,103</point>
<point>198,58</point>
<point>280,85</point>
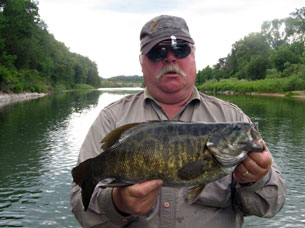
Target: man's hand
<point>254,167</point>
<point>136,199</point>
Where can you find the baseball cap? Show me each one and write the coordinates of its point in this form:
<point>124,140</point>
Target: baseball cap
<point>162,28</point>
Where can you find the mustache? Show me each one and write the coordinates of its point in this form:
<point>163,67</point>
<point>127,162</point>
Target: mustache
<point>171,68</point>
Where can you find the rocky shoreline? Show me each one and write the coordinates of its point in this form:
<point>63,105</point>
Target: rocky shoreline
<point>9,98</point>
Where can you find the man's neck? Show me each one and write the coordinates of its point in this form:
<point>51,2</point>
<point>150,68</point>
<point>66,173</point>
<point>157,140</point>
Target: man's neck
<point>172,109</point>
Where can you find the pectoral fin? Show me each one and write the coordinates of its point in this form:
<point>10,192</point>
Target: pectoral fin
<point>194,192</point>
<point>193,170</point>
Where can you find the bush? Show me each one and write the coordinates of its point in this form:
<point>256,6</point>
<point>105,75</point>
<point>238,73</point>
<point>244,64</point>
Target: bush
<point>60,87</point>
<point>294,82</point>
<point>83,87</point>
<point>273,73</point>
<point>270,85</point>
<point>9,80</point>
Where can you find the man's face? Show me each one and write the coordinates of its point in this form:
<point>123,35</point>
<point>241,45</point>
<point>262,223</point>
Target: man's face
<point>164,77</point>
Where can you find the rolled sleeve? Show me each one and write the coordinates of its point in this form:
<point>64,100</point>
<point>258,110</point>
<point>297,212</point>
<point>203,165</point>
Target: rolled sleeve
<point>101,211</point>
<point>107,206</point>
<point>264,198</point>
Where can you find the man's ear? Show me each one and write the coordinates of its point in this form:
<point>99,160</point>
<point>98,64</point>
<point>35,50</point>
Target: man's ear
<point>141,58</point>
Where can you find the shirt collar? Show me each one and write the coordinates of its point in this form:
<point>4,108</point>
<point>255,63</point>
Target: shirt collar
<point>195,95</point>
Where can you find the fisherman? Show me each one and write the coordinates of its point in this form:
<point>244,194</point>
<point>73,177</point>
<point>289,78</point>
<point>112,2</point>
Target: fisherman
<point>255,187</point>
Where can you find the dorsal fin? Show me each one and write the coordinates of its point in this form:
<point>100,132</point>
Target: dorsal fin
<point>116,134</point>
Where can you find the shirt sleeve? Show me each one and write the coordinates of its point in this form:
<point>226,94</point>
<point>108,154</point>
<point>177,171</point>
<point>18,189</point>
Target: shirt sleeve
<point>101,210</point>
<point>264,198</point>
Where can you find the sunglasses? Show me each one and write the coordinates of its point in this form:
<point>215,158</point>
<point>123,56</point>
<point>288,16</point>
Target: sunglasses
<point>159,52</point>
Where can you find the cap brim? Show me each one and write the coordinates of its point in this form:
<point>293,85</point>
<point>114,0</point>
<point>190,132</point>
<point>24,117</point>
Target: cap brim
<point>151,44</point>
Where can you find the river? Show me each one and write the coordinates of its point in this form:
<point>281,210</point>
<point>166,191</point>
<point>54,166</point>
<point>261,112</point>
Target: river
<point>40,141</point>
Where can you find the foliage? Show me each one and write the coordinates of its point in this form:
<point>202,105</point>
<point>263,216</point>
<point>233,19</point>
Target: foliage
<point>276,53</point>
<point>295,25</point>
<point>272,85</point>
<point>279,58</point>
<point>30,57</point>
<point>123,78</point>
<point>204,75</point>
<point>83,87</point>
<point>123,81</point>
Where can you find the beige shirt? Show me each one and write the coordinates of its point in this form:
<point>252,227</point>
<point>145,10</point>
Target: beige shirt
<point>223,203</point>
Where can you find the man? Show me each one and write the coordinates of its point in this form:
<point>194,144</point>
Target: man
<point>256,186</point>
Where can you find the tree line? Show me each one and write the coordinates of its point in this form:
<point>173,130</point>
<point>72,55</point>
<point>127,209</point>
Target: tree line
<point>123,78</point>
<point>31,58</point>
<point>277,52</point>
<point>123,81</point>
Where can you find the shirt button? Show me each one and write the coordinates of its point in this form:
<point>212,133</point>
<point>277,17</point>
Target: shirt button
<point>166,204</point>
<point>124,220</point>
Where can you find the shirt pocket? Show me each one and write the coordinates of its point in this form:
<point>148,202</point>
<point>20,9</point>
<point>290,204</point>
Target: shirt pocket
<point>216,194</point>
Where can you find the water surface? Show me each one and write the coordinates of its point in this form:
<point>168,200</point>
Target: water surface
<point>40,141</point>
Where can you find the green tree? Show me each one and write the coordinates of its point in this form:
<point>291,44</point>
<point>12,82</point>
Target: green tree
<point>30,55</point>
<point>295,25</point>
<point>256,67</point>
<point>204,75</point>
<point>282,56</point>
<point>274,33</point>
<point>277,51</point>
<point>21,18</point>
<point>243,56</point>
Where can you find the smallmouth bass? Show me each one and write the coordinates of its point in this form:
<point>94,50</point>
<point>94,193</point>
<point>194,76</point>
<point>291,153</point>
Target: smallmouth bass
<point>180,153</point>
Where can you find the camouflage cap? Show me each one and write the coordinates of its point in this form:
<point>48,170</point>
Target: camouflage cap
<point>162,28</point>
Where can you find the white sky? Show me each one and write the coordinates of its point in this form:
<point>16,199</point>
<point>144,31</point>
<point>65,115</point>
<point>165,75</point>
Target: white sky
<point>107,31</point>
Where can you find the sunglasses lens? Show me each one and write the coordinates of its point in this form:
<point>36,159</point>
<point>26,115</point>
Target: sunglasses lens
<point>181,51</point>
<point>157,54</point>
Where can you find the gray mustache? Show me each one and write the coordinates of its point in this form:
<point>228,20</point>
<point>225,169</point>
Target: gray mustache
<point>171,68</point>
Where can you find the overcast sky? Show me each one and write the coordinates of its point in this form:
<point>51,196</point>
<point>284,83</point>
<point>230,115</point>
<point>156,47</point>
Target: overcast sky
<point>107,31</point>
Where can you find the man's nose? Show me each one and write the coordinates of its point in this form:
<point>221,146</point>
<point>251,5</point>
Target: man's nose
<point>170,58</point>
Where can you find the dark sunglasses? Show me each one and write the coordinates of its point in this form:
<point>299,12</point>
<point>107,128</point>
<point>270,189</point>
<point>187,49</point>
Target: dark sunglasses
<point>160,51</point>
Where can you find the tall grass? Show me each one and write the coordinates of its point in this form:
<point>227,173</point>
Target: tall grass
<point>272,85</point>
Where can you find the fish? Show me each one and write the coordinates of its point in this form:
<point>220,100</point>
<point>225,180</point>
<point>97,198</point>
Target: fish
<point>182,154</point>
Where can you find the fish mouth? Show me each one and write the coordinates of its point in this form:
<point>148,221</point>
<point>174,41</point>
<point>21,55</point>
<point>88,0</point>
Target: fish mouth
<point>230,161</point>
<point>233,155</point>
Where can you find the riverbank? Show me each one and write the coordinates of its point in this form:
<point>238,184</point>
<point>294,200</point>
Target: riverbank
<point>294,94</point>
<point>9,98</point>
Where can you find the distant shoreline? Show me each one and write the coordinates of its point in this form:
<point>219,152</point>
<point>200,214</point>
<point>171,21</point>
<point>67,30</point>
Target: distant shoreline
<point>9,98</point>
<point>295,94</point>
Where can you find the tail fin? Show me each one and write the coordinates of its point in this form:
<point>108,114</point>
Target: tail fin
<point>83,177</point>
<point>79,172</point>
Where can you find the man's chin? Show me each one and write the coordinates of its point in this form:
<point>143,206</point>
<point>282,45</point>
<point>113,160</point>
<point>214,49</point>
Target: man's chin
<point>171,86</point>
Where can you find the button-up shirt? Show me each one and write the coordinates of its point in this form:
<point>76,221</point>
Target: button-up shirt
<point>222,203</point>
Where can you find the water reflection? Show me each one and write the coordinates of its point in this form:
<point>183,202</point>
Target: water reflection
<point>39,144</point>
<point>281,122</point>
<point>40,141</point>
